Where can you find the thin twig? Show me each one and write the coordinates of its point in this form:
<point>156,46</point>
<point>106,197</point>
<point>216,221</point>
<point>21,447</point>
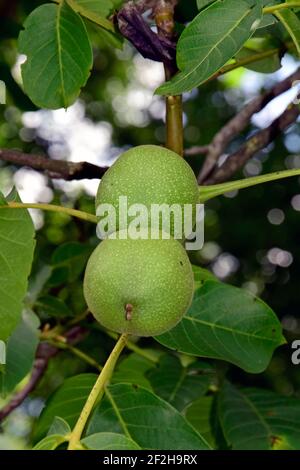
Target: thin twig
<point>255,143</point>
<point>54,168</point>
<point>239,122</point>
<point>197,150</point>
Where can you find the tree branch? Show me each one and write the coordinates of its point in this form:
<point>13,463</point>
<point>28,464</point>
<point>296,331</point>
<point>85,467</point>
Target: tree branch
<point>240,122</point>
<point>259,141</point>
<point>197,150</point>
<point>54,168</point>
<point>44,353</point>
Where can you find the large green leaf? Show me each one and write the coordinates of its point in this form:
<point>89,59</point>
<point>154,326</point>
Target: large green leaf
<point>147,419</point>
<point>59,55</point>
<point>210,40</point>
<point>227,323</point>
<point>132,369</point>
<point>255,419</point>
<point>198,414</point>
<point>66,402</point>
<point>201,274</point>
<point>291,22</point>
<point>268,65</point>
<point>20,351</point>
<point>16,255</point>
<point>180,385</point>
<point>109,441</point>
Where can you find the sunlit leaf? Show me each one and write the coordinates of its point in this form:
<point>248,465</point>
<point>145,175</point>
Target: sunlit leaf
<point>59,55</point>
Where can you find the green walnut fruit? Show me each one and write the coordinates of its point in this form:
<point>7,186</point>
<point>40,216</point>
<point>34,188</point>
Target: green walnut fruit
<point>149,175</point>
<point>140,287</point>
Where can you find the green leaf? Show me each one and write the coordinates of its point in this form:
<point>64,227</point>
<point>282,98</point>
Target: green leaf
<point>203,49</point>
<point>95,11</point>
<point>291,22</point>
<point>59,55</point>
<point>180,385</point>
<point>3,201</point>
<point>50,442</point>
<point>201,274</point>
<point>198,414</point>
<point>147,419</point>
<point>227,323</point>
<point>109,441</point>
<point>52,307</point>
<point>209,192</point>
<point>73,256</point>
<point>59,426</point>
<point>132,369</point>
<point>20,351</point>
<point>268,65</point>
<point>16,255</point>
<point>66,402</point>
<point>255,419</point>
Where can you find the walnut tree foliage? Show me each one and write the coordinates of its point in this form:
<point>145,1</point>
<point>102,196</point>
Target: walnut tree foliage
<point>223,377</point>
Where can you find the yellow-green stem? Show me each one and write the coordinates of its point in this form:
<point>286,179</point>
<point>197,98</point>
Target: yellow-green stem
<point>135,348</point>
<point>96,393</point>
<point>281,6</point>
<point>174,124</point>
<point>164,18</point>
<point>53,208</point>
<point>209,192</point>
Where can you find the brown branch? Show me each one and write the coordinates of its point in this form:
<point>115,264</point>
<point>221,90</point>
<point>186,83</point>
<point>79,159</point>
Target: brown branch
<point>54,168</point>
<point>240,122</point>
<point>259,141</point>
<point>44,353</point>
<point>197,150</point>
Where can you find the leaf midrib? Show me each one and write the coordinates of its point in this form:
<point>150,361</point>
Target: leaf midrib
<point>225,328</point>
<point>59,50</point>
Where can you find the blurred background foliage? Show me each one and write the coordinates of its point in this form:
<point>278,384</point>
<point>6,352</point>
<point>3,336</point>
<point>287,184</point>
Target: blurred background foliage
<point>251,237</point>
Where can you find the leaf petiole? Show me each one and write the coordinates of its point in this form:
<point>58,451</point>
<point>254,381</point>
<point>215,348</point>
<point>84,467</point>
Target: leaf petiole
<point>52,208</point>
<point>272,9</point>
<point>96,392</point>
<point>209,192</point>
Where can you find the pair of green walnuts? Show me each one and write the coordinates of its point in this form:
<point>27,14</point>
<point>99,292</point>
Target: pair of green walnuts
<point>141,286</point>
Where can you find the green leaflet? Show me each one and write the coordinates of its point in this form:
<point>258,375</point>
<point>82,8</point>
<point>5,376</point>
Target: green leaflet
<point>202,49</point>
<point>59,55</point>
<point>291,22</point>
<point>16,254</point>
<point>145,418</point>
<point>20,351</point>
<point>227,323</point>
<point>254,419</point>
